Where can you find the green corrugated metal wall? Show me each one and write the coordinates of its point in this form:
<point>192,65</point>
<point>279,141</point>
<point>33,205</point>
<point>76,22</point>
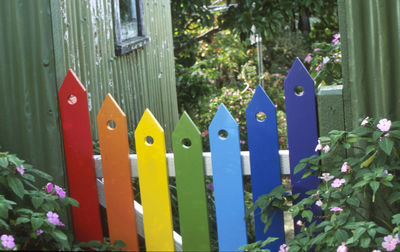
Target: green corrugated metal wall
<point>141,79</point>
<point>370,39</point>
<point>28,104</point>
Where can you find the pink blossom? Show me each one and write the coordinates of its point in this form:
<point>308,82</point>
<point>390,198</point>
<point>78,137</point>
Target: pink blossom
<point>345,167</point>
<point>39,232</point>
<point>7,241</point>
<point>326,176</point>
<point>365,121</point>
<point>336,38</point>
<point>308,58</point>
<point>326,148</point>
<point>336,209</point>
<point>384,125</point>
<point>376,250</point>
<point>338,182</point>
<point>204,133</point>
<point>317,49</point>
<point>299,223</point>
<point>342,248</point>
<point>387,173</point>
<point>318,67</point>
<point>53,219</point>
<point>49,187</point>
<point>319,146</point>
<point>60,192</point>
<point>389,243</point>
<point>319,203</point>
<point>284,248</point>
<point>20,169</point>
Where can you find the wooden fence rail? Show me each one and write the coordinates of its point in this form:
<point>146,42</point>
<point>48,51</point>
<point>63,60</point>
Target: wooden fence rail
<point>226,164</point>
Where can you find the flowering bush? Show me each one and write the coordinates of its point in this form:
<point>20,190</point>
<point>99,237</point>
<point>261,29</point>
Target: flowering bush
<point>359,193</point>
<point>325,62</point>
<point>30,216</point>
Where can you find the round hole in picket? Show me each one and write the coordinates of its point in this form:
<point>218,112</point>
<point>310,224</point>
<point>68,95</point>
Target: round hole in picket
<point>149,140</point>
<point>261,116</point>
<point>111,125</point>
<point>223,134</point>
<point>299,90</point>
<point>186,143</point>
<point>72,99</point>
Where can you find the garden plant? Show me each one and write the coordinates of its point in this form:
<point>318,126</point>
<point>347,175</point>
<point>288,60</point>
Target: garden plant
<point>30,217</point>
<point>359,193</point>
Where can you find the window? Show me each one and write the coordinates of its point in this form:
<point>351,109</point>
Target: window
<point>129,28</point>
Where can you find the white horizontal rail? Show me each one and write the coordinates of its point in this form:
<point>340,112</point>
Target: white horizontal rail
<point>283,155</point>
<point>285,169</point>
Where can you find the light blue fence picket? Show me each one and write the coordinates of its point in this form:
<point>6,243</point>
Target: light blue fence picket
<point>301,116</point>
<point>228,181</point>
<point>264,161</point>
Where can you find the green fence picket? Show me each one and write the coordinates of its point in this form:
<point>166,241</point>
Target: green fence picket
<point>190,186</point>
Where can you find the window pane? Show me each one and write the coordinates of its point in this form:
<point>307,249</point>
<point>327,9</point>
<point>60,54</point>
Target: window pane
<point>129,21</point>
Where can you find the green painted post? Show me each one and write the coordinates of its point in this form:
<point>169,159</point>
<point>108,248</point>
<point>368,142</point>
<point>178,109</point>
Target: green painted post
<point>330,109</point>
<point>190,186</point>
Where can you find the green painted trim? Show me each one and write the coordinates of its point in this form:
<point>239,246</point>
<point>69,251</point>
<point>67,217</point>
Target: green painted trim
<point>58,46</point>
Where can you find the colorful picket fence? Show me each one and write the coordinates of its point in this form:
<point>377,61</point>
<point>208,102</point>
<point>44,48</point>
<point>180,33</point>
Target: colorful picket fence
<point>153,165</point>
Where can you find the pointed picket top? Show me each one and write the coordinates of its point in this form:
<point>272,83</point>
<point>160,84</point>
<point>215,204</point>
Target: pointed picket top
<point>264,161</point>
<point>78,152</point>
<point>190,185</point>
<point>114,147</point>
<point>154,192</point>
<point>228,181</point>
<point>302,128</point>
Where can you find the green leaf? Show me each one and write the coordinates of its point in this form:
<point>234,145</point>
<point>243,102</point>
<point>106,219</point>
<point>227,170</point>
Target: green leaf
<point>4,162</point>
<point>353,201</point>
<point>365,241</point>
<point>395,196</point>
<point>307,214</point>
<point>3,211</point>
<point>341,235</point>
<point>372,232</point>
<point>386,145</point>
<point>37,201</point>
<point>374,186</point>
<point>299,167</point>
<point>36,223</point>
<point>396,219</point>
<point>22,220</point>
<point>16,186</point>
<point>58,234</point>
<point>73,202</point>
<point>367,162</point>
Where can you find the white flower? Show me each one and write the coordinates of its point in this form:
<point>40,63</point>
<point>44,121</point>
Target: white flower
<point>326,176</point>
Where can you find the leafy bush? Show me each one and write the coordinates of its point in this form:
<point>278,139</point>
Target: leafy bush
<point>359,193</point>
<point>30,216</point>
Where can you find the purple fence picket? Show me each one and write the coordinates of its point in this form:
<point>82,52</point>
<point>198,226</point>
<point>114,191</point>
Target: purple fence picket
<point>264,162</point>
<point>301,115</point>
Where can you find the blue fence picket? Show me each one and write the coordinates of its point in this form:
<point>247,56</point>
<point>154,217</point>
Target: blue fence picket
<point>301,115</point>
<point>228,182</point>
<point>264,161</point>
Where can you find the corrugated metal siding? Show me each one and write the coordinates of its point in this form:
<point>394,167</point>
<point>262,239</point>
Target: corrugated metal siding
<point>370,40</point>
<point>29,109</point>
<point>141,79</point>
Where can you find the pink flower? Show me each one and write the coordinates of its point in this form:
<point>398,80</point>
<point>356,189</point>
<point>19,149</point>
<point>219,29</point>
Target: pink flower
<point>345,167</point>
<point>60,192</point>
<point>7,241</point>
<point>318,67</point>
<point>299,223</point>
<point>49,187</point>
<point>387,173</point>
<point>284,248</point>
<point>376,250</point>
<point>389,243</point>
<point>336,38</point>
<point>342,248</point>
<point>21,169</point>
<point>319,146</point>
<point>39,232</point>
<point>317,49</point>
<point>319,203</point>
<point>326,148</point>
<point>384,125</point>
<point>338,182</point>
<point>308,58</point>
<point>336,209</point>
<point>326,176</point>
<point>204,133</point>
<point>53,219</point>
<point>365,121</point>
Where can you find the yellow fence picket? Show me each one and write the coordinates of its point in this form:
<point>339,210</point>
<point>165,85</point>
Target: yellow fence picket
<point>114,146</point>
<point>157,218</point>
